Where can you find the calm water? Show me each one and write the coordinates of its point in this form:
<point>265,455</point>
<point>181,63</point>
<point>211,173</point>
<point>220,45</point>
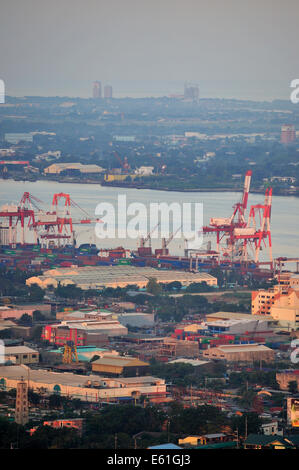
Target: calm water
<point>284,223</point>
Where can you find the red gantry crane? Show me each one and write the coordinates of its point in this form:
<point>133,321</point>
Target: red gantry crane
<point>57,224</point>
<point>14,215</point>
<point>234,235</point>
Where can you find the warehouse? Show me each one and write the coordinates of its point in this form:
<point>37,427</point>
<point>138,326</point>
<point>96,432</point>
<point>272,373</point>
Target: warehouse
<point>92,388</point>
<point>57,168</point>
<point>99,277</point>
<point>119,365</point>
<point>240,353</point>
<point>239,326</point>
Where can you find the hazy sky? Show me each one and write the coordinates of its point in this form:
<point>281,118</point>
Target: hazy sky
<point>227,46</point>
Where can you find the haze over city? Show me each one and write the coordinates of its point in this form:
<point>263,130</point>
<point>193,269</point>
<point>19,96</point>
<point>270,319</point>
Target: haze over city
<point>244,50</point>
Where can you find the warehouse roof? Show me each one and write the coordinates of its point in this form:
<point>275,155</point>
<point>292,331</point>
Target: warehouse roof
<point>101,276</point>
<point>68,378</point>
<point>120,361</point>
<point>243,347</point>
<point>19,350</point>
<point>192,362</point>
<point>236,316</point>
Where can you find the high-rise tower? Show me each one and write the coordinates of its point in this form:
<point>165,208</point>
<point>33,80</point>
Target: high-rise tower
<point>97,90</point>
<point>21,412</point>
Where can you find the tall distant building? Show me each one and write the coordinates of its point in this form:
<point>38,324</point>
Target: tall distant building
<point>108,91</point>
<point>288,134</point>
<point>97,90</point>
<point>21,413</point>
<point>191,92</point>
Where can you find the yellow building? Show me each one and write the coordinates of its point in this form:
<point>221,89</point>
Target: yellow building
<point>57,168</point>
<point>117,365</point>
<point>115,177</point>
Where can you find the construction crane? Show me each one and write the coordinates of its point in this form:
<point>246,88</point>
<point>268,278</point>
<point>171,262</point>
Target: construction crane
<point>70,353</point>
<point>144,240</point>
<point>165,242</point>
<point>124,164</point>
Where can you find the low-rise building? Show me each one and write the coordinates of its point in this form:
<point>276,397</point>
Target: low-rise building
<point>57,168</point>
<point>100,277</point>
<point>83,333</point>
<point>73,423</point>
<point>21,355</point>
<point>240,353</point>
<point>89,388</point>
<point>280,302</point>
<point>119,365</point>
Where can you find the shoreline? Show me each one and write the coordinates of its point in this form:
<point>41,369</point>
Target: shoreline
<point>150,188</point>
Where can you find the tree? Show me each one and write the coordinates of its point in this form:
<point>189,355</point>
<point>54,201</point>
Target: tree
<point>25,320</point>
<point>293,386</point>
<point>35,294</point>
<point>153,287</point>
<point>38,316</point>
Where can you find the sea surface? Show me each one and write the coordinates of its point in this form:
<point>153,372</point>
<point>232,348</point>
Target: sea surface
<point>284,219</point>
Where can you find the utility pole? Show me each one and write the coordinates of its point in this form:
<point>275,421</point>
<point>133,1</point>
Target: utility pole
<point>245,427</point>
<point>237,438</point>
<point>115,441</point>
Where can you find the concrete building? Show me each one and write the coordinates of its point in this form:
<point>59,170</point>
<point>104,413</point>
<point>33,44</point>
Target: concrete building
<point>99,277</point>
<point>21,355</point>
<point>119,365</point>
<point>284,378</point>
<point>97,90</point>
<point>108,91</point>
<point>90,388</point>
<point>281,302</point>
<point>204,439</point>
<point>83,333</point>
<point>172,347</point>
<point>288,134</point>
<point>240,353</point>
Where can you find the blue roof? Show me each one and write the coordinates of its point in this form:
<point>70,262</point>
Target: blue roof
<point>165,446</point>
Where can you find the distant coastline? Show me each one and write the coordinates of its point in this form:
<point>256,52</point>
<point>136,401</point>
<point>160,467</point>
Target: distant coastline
<point>119,184</point>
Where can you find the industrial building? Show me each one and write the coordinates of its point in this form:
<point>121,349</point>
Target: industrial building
<point>57,168</point>
<point>241,326</point>
<point>119,365</point>
<point>83,333</point>
<point>241,353</point>
<point>21,355</point>
<point>99,277</point>
<point>90,388</point>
